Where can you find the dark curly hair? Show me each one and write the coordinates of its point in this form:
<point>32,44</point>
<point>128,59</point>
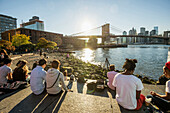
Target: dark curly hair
<point>130,64</point>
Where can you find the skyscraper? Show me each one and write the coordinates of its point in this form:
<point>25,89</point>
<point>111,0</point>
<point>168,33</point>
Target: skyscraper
<point>124,33</point>
<point>132,32</point>
<point>142,31</point>
<point>153,33</point>
<point>7,23</point>
<point>124,39</point>
<point>156,29</point>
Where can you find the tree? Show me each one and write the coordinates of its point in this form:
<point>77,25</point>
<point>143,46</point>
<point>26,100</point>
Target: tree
<point>7,45</point>
<point>51,45</point>
<point>42,43</point>
<point>20,39</point>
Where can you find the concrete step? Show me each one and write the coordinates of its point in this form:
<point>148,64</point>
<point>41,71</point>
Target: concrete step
<point>81,103</point>
<point>73,102</point>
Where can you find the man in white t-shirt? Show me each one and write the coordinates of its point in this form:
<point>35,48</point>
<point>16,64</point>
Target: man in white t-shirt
<point>5,71</point>
<point>37,78</point>
<point>163,101</point>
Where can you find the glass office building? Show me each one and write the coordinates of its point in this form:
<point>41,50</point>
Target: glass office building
<point>34,24</point>
<point>156,29</point>
<point>7,23</point>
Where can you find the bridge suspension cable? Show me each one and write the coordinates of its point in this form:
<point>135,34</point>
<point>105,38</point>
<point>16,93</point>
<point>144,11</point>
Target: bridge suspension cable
<point>85,31</point>
<point>111,26</point>
<point>116,29</point>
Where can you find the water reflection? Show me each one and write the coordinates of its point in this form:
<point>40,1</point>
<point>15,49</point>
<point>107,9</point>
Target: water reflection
<point>87,55</point>
<point>150,60</point>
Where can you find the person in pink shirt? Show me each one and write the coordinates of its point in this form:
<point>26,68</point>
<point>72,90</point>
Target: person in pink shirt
<point>111,74</point>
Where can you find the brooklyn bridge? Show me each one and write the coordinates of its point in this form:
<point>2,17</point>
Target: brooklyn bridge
<point>106,35</point>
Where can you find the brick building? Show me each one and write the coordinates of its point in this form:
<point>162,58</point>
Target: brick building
<point>35,35</point>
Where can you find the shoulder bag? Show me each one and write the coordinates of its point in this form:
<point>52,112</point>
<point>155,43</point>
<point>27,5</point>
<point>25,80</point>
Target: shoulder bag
<point>55,81</point>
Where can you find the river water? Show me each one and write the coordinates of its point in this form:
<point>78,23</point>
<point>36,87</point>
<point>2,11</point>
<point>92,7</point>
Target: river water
<point>151,58</point>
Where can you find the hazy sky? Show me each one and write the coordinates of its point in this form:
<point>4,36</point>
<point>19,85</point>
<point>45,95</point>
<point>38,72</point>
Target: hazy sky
<point>73,16</point>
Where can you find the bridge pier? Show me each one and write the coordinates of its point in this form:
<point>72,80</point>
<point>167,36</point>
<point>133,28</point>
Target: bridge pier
<point>103,40</point>
<point>167,41</point>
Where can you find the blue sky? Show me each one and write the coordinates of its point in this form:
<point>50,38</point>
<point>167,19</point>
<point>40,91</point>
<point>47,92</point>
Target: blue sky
<point>73,16</point>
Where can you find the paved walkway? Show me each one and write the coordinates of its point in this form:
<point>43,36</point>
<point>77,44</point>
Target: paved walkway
<point>72,102</point>
<point>77,101</point>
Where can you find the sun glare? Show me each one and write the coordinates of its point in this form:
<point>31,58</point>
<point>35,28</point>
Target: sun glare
<point>87,56</point>
<point>86,26</point>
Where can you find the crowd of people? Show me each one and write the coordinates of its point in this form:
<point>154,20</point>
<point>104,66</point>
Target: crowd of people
<point>40,80</point>
<point>125,85</point>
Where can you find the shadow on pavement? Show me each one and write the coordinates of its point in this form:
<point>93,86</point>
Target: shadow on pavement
<point>29,103</point>
<point>9,92</point>
<point>80,87</point>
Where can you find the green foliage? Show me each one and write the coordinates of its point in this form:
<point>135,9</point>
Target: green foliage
<point>20,39</point>
<point>6,45</point>
<point>51,44</point>
<point>43,43</point>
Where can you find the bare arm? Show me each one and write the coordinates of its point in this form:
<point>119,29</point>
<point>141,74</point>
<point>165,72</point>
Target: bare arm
<point>166,96</point>
<point>138,94</point>
<point>9,75</point>
<point>62,83</point>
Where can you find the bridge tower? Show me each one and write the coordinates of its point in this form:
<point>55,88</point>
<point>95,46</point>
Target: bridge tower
<point>105,32</point>
<point>167,34</point>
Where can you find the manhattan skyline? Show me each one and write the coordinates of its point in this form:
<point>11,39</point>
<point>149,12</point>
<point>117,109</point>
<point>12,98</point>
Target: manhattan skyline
<point>73,16</point>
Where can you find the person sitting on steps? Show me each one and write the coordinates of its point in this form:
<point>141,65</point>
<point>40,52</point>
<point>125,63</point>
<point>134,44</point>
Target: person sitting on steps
<point>3,56</point>
<point>37,78</point>
<point>128,87</point>
<point>163,101</point>
<point>6,71</point>
<point>111,74</point>
<point>21,71</point>
<point>53,78</point>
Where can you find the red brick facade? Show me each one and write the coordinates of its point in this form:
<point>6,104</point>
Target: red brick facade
<point>35,35</point>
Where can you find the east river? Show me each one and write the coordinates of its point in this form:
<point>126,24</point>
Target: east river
<point>151,58</point>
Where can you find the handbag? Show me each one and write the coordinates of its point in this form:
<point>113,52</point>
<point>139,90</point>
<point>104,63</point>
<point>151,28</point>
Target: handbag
<point>54,82</point>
